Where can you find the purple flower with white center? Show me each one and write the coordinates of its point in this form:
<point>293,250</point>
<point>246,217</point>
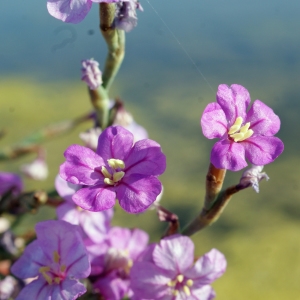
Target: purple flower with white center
<point>72,11</point>
<point>93,225</point>
<point>126,18</point>
<point>58,259</point>
<point>125,246</point>
<point>91,74</point>
<point>252,177</point>
<point>119,169</point>
<point>242,134</point>
<point>170,273</point>
<point>10,182</point>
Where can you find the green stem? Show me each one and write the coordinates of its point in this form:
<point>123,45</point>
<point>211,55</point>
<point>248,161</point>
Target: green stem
<point>115,40</point>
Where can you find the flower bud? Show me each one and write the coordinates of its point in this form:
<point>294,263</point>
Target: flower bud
<point>91,74</point>
<point>37,170</point>
<point>252,177</point>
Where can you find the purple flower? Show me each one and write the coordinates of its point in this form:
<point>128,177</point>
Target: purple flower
<point>168,271</point>
<point>72,11</point>
<point>124,248</point>
<point>119,169</point>
<point>93,225</point>
<point>58,259</point>
<point>126,18</point>
<point>91,74</point>
<point>242,134</point>
<point>10,182</point>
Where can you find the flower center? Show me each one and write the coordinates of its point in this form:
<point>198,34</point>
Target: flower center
<point>116,165</point>
<point>180,283</point>
<point>238,132</point>
<point>55,273</point>
<point>118,259</point>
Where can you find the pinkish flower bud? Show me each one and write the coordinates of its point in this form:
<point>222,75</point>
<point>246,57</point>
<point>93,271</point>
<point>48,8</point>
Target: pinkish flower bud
<point>90,137</point>
<point>252,177</point>
<point>91,73</point>
<point>37,170</point>
<point>125,119</point>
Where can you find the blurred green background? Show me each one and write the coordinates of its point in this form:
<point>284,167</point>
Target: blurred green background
<point>255,44</point>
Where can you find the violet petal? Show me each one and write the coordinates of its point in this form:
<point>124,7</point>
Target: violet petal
<point>262,150</point>
<point>33,254</point>
<point>80,165</point>
<point>228,155</point>
<point>115,142</point>
<point>145,158</point>
<point>95,198</point>
<point>262,119</point>
<point>208,268</point>
<point>148,281</point>
<point>213,121</point>
<point>174,253</point>
<point>69,11</point>
<point>234,101</point>
<point>137,193</point>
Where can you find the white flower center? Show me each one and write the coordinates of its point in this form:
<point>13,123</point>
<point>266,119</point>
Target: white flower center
<point>115,176</point>
<point>238,132</point>
<point>180,283</point>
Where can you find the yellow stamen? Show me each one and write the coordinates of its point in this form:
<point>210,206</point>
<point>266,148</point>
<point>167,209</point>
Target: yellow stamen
<point>175,293</point>
<point>44,269</point>
<point>47,277</point>
<point>108,181</point>
<point>130,263</point>
<point>118,176</point>
<point>237,136</point>
<point>116,163</point>
<point>57,280</point>
<point>63,268</point>
<point>180,278</point>
<point>236,126</point>
<point>240,133</point>
<point>247,135</point>
<point>171,283</point>
<point>105,172</point>
<point>56,256</point>
<point>187,290</point>
<point>189,282</point>
<point>245,127</point>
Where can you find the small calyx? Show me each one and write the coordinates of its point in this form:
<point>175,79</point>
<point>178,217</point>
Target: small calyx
<point>238,132</point>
